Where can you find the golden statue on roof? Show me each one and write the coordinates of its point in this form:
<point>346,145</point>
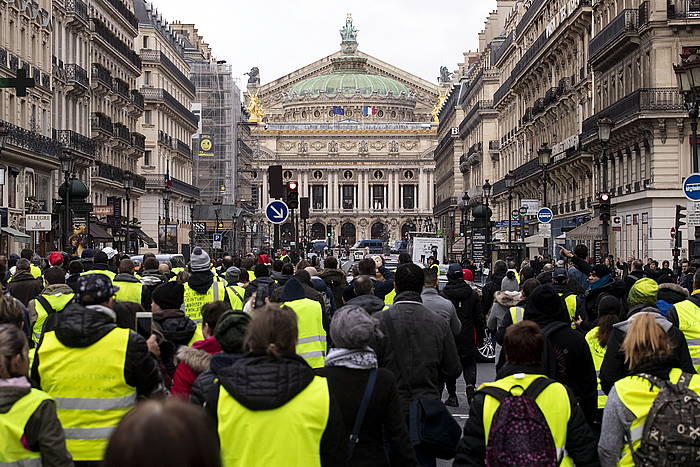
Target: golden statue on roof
<point>438,105</point>
<point>256,114</point>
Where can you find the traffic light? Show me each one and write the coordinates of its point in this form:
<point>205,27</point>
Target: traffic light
<point>679,217</point>
<point>462,229</point>
<point>304,205</point>
<point>292,195</point>
<point>274,178</point>
<point>604,203</point>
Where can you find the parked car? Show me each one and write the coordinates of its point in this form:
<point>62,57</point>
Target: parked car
<point>361,247</point>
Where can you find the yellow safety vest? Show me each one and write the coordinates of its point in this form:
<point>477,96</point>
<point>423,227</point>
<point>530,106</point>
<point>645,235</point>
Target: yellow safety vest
<point>106,272</point>
<point>128,291</point>
<point>516,313</point>
<point>598,353</point>
<point>637,394</point>
<point>311,343</point>
<point>177,271</point>
<point>57,301</point>
<point>89,388</point>
<point>236,296</point>
<point>35,270</point>
<point>297,428</point>
<point>570,301</point>
<point>436,267</point>
<point>553,402</point>
<point>689,323</point>
<point>12,423</point>
<point>389,298</point>
<point>194,301</point>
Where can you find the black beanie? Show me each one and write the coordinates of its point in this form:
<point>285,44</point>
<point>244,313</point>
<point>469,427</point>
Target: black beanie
<point>169,296</point>
<point>261,270</point>
<point>230,330</point>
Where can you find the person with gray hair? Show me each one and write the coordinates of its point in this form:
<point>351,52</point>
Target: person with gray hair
<point>348,369</point>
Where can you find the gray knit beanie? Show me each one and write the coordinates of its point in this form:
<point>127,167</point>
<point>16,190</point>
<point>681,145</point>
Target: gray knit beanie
<point>199,260</point>
<point>510,283</point>
<point>353,328</point>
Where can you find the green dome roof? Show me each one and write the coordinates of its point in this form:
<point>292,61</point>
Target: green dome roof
<point>334,83</point>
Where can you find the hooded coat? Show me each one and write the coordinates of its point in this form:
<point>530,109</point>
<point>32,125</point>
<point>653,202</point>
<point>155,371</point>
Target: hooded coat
<point>574,362</point>
<point>252,287</point>
<point>262,382</point>
<point>193,361</point>
<point>79,326</point>
<point>614,367</point>
<point>371,303</point>
<point>335,280</point>
<point>587,306</point>
<point>468,305</point>
<point>669,294</point>
<point>24,287</point>
<point>177,330</point>
<point>43,432</point>
<point>49,290</point>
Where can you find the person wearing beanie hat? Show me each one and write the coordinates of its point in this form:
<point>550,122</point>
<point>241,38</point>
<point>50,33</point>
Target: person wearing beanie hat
<point>176,328</point>
<point>131,289</point>
<point>236,293</point>
<point>202,287</point>
<point>262,281</point>
<point>100,266</point>
<point>510,282</point>
<point>229,333</point>
<point>468,275</point>
<point>642,294</point>
<point>354,333</point>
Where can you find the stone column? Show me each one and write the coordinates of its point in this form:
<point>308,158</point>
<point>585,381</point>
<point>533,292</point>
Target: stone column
<point>330,192</point>
<point>420,204</point>
<point>397,191</point>
<point>389,189</point>
<point>264,195</point>
<point>431,183</point>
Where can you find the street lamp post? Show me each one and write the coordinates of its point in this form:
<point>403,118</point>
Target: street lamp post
<point>486,192</point>
<point>544,155</point>
<point>67,167</point>
<point>128,184</point>
<point>166,200</point>
<point>464,206</point>
<point>510,183</point>
<point>604,129</point>
<point>688,76</point>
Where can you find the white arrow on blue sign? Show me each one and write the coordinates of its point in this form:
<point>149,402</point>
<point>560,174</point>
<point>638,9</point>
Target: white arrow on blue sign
<point>277,211</point>
<point>691,187</point>
<point>544,215</point>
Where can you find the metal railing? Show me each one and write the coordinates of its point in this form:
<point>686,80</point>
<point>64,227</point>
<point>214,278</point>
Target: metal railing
<point>72,140</point>
<point>31,140</point>
<point>159,94</point>
<point>480,105</point>
<point>116,174</point>
<point>101,122</point>
<point>683,9</point>
<point>79,9</point>
<point>121,131</point>
<point>498,53</point>
<point>100,73</point>
<point>137,98</point>
<point>138,140</point>
<point>78,74</point>
<point>626,21</point>
<point>183,148</point>
<point>121,87</point>
<point>528,16</point>
<point>122,48</point>
<point>157,181</point>
<point>125,12</point>
<point>149,55</point>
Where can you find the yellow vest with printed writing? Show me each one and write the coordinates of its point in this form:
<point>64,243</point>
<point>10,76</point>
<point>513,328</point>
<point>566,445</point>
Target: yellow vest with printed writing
<point>311,343</point>
<point>296,428</point>
<point>638,394</point>
<point>598,353</point>
<point>57,301</point>
<point>89,387</point>
<point>553,402</point>
<point>12,424</point>
<point>194,301</point>
<point>689,323</point>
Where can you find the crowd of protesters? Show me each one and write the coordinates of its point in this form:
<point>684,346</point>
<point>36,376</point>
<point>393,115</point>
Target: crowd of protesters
<point>275,360</point>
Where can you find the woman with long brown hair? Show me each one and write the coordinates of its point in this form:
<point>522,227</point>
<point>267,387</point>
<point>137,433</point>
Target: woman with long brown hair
<point>651,363</point>
<point>270,407</point>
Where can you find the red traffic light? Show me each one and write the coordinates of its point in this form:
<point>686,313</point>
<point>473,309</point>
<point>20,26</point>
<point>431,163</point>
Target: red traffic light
<point>605,197</point>
<point>292,186</point>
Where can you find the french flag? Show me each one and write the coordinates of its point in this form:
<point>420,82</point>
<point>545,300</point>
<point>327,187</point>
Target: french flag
<point>367,111</point>
<point>168,180</point>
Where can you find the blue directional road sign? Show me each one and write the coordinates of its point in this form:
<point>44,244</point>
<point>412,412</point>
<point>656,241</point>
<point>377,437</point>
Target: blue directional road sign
<point>544,215</point>
<point>691,187</point>
<point>277,211</point>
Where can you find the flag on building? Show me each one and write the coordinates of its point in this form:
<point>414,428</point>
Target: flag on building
<point>366,111</point>
<point>168,180</point>
<point>338,110</point>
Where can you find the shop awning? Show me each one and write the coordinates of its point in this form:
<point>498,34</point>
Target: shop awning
<point>99,233</point>
<point>19,236</point>
<point>587,231</point>
<point>146,239</point>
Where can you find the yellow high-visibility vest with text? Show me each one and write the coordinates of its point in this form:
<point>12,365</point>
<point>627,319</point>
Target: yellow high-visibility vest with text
<point>194,301</point>
<point>106,272</point>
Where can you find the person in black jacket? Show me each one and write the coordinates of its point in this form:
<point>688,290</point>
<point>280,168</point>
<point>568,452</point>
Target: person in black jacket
<point>601,284</point>
<point>642,299</point>
<point>262,277</point>
<point>367,267</point>
<point>523,346</point>
<point>347,369</point>
<point>493,285</point>
<point>468,306</point>
<point>269,377</point>
<point>574,364</point>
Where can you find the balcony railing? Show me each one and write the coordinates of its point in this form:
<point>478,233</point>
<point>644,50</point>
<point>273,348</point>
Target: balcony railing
<point>626,21</point>
<point>183,148</point>
<point>31,140</point>
<point>125,12</point>
<point>72,140</point>
<point>79,9</point>
<point>641,100</point>
<point>684,9</point>
<point>102,74</point>
<point>480,105</point>
<point>528,16</point>
<point>149,55</point>
<point>122,88</point>
<point>102,122</point>
<point>157,181</point>
<point>122,48</point>
<point>158,94</point>
<point>116,174</point>
<point>137,98</point>
<point>121,131</point>
<point>138,140</point>
<point>498,53</point>
<point>78,74</point>
<point>164,138</point>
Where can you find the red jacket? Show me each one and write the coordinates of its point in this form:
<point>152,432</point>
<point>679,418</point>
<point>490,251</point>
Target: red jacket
<point>193,361</point>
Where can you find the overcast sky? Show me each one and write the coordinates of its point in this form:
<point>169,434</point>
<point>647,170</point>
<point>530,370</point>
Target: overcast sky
<point>280,36</point>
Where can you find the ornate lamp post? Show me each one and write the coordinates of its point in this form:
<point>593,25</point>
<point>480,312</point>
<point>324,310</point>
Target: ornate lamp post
<point>544,155</point>
<point>605,126</point>
<point>486,192</point>
<point>166,205</point>
<point>464,207</point>
<point>510,183</point>
<point>128,185</point>
<point>67,167</point>
<point>688,76</point>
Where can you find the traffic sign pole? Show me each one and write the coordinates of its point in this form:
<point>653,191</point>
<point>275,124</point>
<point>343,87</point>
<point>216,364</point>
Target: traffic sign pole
<point>691,190</point>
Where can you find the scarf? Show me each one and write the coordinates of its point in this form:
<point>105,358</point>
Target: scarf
<point>600,282</point>
<point>358,359</point>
